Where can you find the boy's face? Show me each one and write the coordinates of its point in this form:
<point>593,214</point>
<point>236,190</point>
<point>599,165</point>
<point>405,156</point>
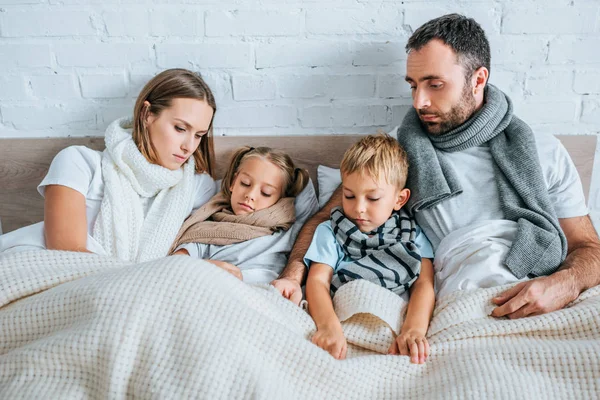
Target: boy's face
<point>368,202</point>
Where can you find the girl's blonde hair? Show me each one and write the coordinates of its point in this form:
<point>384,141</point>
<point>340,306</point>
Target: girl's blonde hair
<point>295,179</point>
<point>159,92</point>
<point>377,155</point>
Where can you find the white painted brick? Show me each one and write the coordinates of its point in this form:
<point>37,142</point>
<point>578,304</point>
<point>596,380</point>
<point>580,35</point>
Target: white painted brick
<point>563,20</point>
<point>393,86</point>
<point>102,54</point>
<point>546,112</point>
<point>254,23</point>
<point>126,22</point>
<point>570,50</point>
<point>510,82</point>
<point>106,114</point>
<point>487,15</point>
<point>508,50</point>
<point>12,88</point>
<point>220,85</point>
<point>398,114</point>
<point>255,117</point>
<point>373,20</point>
<point>32,117</point>
<point>302,86</point>
<point>378,54</point>
<point>249,87</point>
<point>591,111</point>
<point>345,116</point>
<point>314,54</point>
<point>549,82</point>
<point>24,56</point>
<point>176,22</point>
<point>103,86</point>
<point>587,82</point>
<point>46,23</point>
<point>330,86</point>
<point>54,86</point>
<point>137,81</point>
<point>206,55</point>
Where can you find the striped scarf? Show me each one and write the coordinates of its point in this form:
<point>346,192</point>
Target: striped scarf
<point>387,256</point>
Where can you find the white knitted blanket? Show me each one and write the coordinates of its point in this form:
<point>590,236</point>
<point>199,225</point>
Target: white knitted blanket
<point>76,325</point>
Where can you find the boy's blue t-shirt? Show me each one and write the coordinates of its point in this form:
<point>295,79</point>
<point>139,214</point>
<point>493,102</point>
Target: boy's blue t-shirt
<point>325,249</point>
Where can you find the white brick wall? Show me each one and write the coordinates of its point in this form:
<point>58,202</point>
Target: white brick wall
<point>68,67</point>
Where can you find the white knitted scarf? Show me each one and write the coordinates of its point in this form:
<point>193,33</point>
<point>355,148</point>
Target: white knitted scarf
<point>129,179</point>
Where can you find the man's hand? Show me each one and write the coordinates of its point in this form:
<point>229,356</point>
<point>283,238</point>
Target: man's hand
<point>537,296</point>
<point>232,269</point>
<point>289,288</point>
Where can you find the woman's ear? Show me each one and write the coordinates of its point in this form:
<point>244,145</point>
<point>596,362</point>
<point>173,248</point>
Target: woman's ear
<point>401,199</point>
<point>148,116</point>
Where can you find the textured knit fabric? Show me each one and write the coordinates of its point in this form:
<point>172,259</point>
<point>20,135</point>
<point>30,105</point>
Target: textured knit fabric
<point>129,177</point>
<point>78,325</point>
<point>387,256</point>
<point>540,246</point>
<point>215,223</point>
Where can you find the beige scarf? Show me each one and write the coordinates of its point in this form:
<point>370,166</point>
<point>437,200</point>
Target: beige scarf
<point>215,223</point>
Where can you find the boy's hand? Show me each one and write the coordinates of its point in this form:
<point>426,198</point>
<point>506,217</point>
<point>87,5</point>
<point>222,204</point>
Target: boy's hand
<point>332,340</point>
<point>411,343</point>
<point>289,288</point>
<point>232,269</point>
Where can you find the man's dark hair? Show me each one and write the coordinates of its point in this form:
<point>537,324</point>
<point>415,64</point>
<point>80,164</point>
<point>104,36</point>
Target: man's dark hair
<point>464,35</point>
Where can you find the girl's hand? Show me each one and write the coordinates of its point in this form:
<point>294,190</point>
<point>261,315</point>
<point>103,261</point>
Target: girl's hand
<point>411,343</point>
<point>332,340</point>
<point>181,252</point>
<point>232,269</point>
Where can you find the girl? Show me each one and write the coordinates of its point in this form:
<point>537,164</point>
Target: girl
<point>248,228</point>
<point>130,200</point>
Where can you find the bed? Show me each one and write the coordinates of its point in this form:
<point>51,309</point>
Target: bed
<point>84,326</point>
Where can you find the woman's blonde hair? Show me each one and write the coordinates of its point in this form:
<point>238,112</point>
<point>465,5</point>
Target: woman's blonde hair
<point>160,92</point>
<point>295,179</point>
<point>377,155</point>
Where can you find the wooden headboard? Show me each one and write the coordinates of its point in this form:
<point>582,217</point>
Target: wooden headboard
<point>24,163</point>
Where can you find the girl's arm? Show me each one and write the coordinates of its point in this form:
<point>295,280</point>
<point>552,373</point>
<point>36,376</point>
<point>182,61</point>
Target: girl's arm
<point>232,269</point>
<point>329,335</point>
<point>411,340</point>
<point>65,220</point>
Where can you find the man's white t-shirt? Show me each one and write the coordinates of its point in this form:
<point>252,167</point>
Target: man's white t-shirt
<point>80,168</point>
<point>468,232</point>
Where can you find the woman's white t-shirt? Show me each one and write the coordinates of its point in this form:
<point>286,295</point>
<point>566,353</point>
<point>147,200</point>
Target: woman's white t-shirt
<point>80,168</point>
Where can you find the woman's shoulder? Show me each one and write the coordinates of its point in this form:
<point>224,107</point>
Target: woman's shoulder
<point>77,167</point>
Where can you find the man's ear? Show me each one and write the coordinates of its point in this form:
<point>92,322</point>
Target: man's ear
<point>402,198</point>
<point>480,77</point>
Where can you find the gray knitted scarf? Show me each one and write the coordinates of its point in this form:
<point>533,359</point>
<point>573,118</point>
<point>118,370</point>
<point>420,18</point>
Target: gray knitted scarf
<point>540,246</point>
<point>387,256</point>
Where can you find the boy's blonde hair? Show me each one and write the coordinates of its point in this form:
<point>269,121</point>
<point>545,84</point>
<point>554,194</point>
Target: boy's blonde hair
<point>377,156</point>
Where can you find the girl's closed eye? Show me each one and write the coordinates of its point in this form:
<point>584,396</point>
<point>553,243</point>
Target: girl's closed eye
<point>370,199</point>
<point>179,128</point>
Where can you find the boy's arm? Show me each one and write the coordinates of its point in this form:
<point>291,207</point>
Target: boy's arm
<point>422,301</point>
<point>411,341</point>
<point>291,277</point>
<point>329,335</point>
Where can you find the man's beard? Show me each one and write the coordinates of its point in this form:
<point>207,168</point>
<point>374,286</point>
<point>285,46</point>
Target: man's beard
<point>457,115</point>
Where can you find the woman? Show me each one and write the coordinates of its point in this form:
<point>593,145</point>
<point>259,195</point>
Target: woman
<point>130,200</point>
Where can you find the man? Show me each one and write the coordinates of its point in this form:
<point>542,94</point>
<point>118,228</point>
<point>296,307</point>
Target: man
<point>478,175</point>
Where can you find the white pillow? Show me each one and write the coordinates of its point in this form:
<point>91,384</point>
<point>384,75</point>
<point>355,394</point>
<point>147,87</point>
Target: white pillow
<point>328,179</point>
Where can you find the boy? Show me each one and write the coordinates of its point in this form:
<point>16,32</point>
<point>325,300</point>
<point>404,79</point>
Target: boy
<point>370,237</point>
